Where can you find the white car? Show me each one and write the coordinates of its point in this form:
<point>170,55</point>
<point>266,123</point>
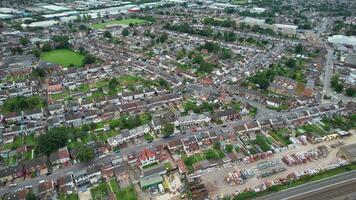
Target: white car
<point>28,187</point>
<point>13,185</point>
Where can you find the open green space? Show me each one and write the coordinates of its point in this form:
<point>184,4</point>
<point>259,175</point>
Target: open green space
<point>263,142</point>
<point>281,135</point>
<point>64,57</point>
<point>118,22</point>
<point>22,103</point>
<point>99,192</point>
<point>342,122</point>
<point>189,161</point>
<point>127,194</point>
<point>314,130</point>
<point>303,180</point>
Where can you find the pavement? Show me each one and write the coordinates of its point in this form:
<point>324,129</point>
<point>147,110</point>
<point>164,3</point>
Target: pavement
<point>323,189</point>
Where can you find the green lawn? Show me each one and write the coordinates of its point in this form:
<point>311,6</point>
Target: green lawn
<point>100,192</point>
<point>126,194</point>
<point>64,57</point>
<point>122,22</point>
<point>281,135</point>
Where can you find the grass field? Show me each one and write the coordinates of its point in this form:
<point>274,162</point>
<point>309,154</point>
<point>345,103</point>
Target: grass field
<point>64,57</point>
<point>122,22</point>
<point>127,194</point>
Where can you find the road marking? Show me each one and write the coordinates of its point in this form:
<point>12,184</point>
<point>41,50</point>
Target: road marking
<point>327,186</point>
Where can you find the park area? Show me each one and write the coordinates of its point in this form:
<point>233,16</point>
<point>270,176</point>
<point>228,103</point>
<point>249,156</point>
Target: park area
<point>117,22</point>
<point>64,57</point>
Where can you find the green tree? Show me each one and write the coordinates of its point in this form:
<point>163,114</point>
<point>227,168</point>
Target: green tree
<point>81,50</point>
<point>299,49</point>
<point>47,47</point>
<point>339,88</point>
<point>39,72</point>
<point>217,145</point>
<point>31,196</point>
<point>350,92</point>
<point>19,103</point>
<point>89,59</point>
<point>291,63</point>
<point>36,52</point>
<point>125,32</point>
<point>82,27</point>
<point>24,41</point>
<point>61,41</point>
<point>229,148</point>
<point>85,154</point>
<point>168,129</point>
<point>107,34</point>
<point>53,140</point>
<point>162,38</point>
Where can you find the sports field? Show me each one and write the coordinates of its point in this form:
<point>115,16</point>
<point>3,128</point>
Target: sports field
<point>64,57</point>
<point>122,21</point>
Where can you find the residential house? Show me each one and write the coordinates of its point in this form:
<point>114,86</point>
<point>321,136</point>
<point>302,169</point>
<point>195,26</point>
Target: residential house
<point>81,178</point>
<point>94,174</point>
<point>146,157</point>
<point>66,184</point>
<point>44,188</point>
<point>36,167</point>
<point>225,115</point>
<point>60,157</point>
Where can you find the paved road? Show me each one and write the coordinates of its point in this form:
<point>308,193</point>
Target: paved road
<point>328,73</point>
<point>323,189</point>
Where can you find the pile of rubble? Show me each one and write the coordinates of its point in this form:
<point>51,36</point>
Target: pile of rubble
<point>304,157</point>
<point>237,177</point>
<point>257,157</point>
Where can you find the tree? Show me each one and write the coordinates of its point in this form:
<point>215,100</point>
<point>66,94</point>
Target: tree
<point>39,72</point>
<point>113,83</point>
<point>82,27</point>
<point>350,92</point>
<point>89,59</point>
<point>24,41</point>
<point>263,83</point>
<point>168,129</point>
<point>47,47</point>
<point>85,154</point>
<point>291,63</point>
<point>53,140</point>
<point>81,50</point>
<point>19,103</point>
<point>339,88</point>
<point>125,32</point>
<point>107,34</point>
<point>217,145</point>
<point>31,196</point>
<point>36,52</point>
<point>299,49</point>
<point>61,41</point>
<point>229,148</point>
<point>162,38</point>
